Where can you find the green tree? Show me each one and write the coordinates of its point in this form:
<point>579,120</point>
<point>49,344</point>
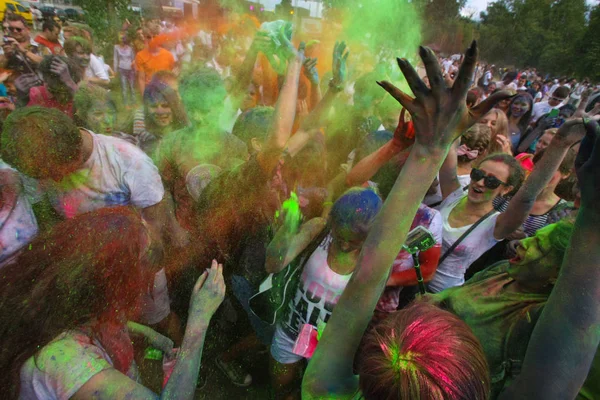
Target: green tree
<point>588,51</point>
<point>105,17</point>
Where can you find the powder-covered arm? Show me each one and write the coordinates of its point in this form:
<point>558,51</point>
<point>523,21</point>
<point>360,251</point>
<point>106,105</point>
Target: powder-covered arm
<point>521,204</point>
<point>567,335</point>
<point>208,294</point>
<point>438,113</point>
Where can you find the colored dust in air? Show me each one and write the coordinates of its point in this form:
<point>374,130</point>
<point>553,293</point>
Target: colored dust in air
<point>292,213</point>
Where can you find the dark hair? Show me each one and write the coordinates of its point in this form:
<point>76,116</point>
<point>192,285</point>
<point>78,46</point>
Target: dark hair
<point>202,90</point>
<point>516,175</point>
<point>355,210</point>
<point>253,123</point>
<point>79,270</point>
<point>524,120</point>
<point>157,91</point>
<point>45,69</point>
<point>386,175</point>
<point>49,25</point>
<point>510,76</point>
<point>561,91</point>
<point>17,18</point>
<point>35,137</point>
<point>423,352</point>
<point>72,43</point>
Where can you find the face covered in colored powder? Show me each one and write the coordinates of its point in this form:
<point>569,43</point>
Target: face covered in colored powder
<point>160,112</point>
<point>345,240</point>
<point>101,118</point>
<point>519,107</point>
<point>536,263</point>
<point>479,192</point>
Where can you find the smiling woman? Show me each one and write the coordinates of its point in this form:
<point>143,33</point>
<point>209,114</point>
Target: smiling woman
<point>472,214</point>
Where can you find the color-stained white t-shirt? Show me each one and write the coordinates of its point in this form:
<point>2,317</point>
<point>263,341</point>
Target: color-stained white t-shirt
<point>318,292</point>
<point>116,174</point>
<point>451,272</point>
<point>63,366</point>
<point>17,221</point>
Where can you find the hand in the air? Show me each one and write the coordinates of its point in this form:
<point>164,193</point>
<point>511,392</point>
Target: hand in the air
<point>587,165</point>
<point>208,294</point>
<point>310,70</point>
<point>339,66</point>
<point>440,114</point>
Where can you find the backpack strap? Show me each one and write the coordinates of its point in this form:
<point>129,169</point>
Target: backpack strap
<point>464,235</point>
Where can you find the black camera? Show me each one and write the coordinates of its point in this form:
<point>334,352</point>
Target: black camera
<point>419,239</point>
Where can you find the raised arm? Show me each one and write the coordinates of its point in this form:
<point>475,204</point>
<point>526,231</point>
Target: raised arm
<point>207,295</point>
<point>336,85</point>
<point>285,108</point>
<point>287,244</point>
<point>437,113</point>
<point>448,175</point>
<point>366,168</point>
<point>311,73</point>
<point>520,205</point>
<point>567,335</point>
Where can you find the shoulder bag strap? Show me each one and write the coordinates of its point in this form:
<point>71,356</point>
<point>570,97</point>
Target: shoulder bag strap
<point>464,235</point>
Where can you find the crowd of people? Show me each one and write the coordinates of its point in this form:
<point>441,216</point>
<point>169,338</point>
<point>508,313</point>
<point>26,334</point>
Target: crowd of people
<point>374,242</point>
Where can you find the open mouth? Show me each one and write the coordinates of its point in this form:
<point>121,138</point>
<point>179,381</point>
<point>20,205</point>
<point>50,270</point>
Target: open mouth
<point>515,260</point>
<point>476,190</point>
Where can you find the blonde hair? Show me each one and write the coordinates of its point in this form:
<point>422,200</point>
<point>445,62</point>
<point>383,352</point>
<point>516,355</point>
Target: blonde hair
<point>501,128</point>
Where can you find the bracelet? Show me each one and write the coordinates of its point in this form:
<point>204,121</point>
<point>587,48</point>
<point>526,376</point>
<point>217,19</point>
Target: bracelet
<point>334,87</point>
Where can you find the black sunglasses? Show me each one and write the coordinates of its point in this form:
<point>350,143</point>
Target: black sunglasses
<point>12,29</point>
<point>490,182</point>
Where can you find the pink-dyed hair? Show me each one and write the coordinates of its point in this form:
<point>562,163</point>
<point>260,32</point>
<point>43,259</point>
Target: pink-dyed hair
<point>423,352</point>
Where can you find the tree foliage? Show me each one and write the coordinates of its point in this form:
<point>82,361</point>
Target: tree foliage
<point>106,17</point>
<point>546,34</point>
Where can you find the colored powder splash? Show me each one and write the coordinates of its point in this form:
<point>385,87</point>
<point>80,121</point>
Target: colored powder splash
<point>400,361</point>
<point>392,25</point>
<point>291,210</point>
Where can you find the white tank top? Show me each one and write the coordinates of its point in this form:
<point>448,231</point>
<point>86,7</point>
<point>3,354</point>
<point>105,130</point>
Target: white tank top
<point>318,291</point>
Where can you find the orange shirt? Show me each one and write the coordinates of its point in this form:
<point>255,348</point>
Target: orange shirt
<point>149,64</point>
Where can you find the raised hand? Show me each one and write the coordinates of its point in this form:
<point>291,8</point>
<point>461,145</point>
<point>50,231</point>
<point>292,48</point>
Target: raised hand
<point>571,132</point>
<point>439,113</point>
<point>25,82</point>
<point>587,164</point>
<point>339,68</point>
<point>404,135</point>
<point>208,294</point>
<point>310,70</point>
<point>61,69</point>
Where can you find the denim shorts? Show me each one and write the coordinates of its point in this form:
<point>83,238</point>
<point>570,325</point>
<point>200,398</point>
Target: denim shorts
<point>282,346</point>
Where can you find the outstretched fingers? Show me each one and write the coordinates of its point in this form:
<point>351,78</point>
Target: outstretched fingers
<point>434,72</point>
<point>415,83</point>
<point>463,80</point>
<point>405,100</point>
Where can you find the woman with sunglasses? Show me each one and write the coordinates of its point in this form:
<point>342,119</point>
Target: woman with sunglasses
<point>496,175</point>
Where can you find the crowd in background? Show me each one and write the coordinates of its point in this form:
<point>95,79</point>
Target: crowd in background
<point>264,188</point>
